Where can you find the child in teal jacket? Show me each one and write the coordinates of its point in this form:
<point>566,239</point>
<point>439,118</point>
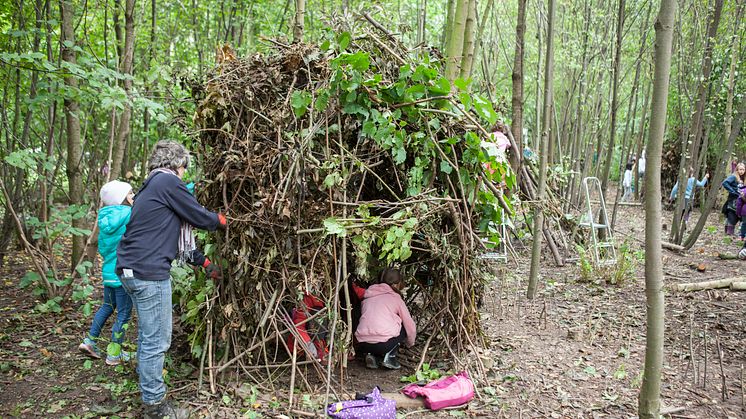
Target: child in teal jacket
<point>112,222</point>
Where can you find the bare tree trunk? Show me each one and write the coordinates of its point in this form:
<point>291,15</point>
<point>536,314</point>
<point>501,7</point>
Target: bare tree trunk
<point>631,114</point>
<point>614,99</point>
<point>650,401</point>
<point>125,66</point>
<point>146,113</point>
<point>516,125</point>
<point>16,175</point>
<point>543,154</point>
<point>74,148</point>
<point>478,44</point>
<point>450,14</point>
<point>299,22</point>
<point>469,44</point>
<point>731,133</point>
<point>576,177</point>
<point>455,48</point>
<point>640,187</point>
<point>695,132</point>
<point>117,28</point>
<point>422,22</point>
<point>704,84</point>
<point>536,134</point>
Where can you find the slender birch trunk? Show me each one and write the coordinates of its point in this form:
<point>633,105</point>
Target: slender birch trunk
<point>650,401</point>
<point>543,151</point>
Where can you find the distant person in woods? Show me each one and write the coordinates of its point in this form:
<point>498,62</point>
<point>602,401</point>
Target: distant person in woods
<point>627,182</point>
<point>741,211</point>
<point>691,183</point>
<point>733,184</point>
<point>385,322</point>
<point>116,197</point>
<point>160,228</point>
<point>641,166</point>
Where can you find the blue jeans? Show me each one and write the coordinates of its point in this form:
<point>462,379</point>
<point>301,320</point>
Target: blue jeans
<point>153,303</point>
<point>114,299</point>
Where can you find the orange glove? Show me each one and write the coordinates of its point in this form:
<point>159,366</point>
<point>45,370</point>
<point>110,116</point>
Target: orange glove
<point>222,222</point>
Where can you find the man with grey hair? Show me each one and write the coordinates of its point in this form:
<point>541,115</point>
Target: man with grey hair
<point>160,228</point>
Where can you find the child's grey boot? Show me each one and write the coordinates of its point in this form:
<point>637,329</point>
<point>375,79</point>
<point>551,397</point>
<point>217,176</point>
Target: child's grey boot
<point>371,361</point>
<point>390,361</point>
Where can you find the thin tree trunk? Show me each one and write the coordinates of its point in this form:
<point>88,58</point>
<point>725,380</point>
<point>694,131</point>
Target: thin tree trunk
<point>704,84</point>
<point>695,131</point>
<point>578,123</point>
<point>455,48</point>
<point>729,138</point>
<point>650,401</point>
<point>146,113</point>
<point>614,99</point>
<point>537,119</point>
<point>517,77</point>
<point>422,23</point>
<point>125,66</point>
<point>640,187</point>
<point>17,175</point>
<point>117,28</point>
<point>544,147</point>
<point>631,116</point>
<point>72,131</point>
<point>299,22</point>
<point>469,44</point>
<point>450,14</point>
<point>478,43</point>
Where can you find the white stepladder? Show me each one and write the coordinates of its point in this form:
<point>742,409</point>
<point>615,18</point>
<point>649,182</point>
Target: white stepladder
<point>596,219</point>
<point>500,252</point>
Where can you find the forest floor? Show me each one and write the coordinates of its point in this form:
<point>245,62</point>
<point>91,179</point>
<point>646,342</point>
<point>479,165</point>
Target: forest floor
<point>575,351</point>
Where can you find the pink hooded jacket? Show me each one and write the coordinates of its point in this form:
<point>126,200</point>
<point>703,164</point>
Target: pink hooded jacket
<point>384,313</point>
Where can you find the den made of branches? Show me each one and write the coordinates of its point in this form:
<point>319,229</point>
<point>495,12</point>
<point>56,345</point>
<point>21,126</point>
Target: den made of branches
<point>333,162</point>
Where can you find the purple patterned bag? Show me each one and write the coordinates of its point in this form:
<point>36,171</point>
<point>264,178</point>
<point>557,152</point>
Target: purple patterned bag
<point>372,407</point>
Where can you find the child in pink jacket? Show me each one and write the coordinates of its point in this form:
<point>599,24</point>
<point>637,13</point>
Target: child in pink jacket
<point>385,322</point>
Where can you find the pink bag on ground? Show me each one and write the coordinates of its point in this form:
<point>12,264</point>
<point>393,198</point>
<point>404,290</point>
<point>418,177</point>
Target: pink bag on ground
<point>448,391</point>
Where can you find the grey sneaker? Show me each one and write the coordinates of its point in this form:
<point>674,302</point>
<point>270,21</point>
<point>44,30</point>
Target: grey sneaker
<point>371,362</point>
<point>123,356</point>
<point>165,410</point>
<point>89,348</point>
<point>390,361</point>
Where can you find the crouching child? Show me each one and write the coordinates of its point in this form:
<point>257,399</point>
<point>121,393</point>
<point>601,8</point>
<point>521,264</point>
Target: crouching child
<point>385,323</point>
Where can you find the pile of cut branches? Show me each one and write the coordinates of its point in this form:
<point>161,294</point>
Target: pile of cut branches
<point>333,162</point>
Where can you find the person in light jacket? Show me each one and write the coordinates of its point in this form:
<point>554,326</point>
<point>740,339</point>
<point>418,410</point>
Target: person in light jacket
<point>691,184</point>
<point>385,322</point>
<point>627,182</point>
<point>113,217</point>
<point>732,184</point>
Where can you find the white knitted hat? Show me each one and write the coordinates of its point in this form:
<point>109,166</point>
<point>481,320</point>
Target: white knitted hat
<point>114,192</point>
